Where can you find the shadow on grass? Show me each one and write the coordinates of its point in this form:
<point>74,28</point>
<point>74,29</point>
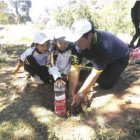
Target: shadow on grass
<point>125,122</point>
<point>43,96</point>
<point>11,48</point>
<point>46,95</point>
<point>118,89</point>
<point>123,125</point>
<point>20,111</point>
<point>10,54</point>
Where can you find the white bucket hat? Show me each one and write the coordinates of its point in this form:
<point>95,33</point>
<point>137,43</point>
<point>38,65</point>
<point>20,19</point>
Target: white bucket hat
<point>40,38</point>
<point>78,28</point>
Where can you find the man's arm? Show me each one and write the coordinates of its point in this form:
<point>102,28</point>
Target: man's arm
<point>89,82</point>
<point>73,79</point>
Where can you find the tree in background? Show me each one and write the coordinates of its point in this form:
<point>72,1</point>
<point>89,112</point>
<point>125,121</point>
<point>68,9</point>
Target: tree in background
<point>21,10</point>
<point>67,15</point>
<point>114,17</point>
<point>5,17</point>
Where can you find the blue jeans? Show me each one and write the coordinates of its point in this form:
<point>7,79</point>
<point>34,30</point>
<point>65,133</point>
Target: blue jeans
<point>112,72</point>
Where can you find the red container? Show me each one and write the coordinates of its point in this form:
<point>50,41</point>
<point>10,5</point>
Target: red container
<point>60,105</point>
<point>60,100</point>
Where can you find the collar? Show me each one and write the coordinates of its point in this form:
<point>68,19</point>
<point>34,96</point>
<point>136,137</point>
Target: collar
<point>94,39</point>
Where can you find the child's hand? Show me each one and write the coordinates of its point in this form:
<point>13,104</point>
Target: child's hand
<point>15,71</point>
<point>60,82</point>
<point>20,63</point>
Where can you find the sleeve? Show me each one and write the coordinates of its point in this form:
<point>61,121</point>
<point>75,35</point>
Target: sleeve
<point>26,53</point>
<point>101,62</point>
<point>66,70</point>
<point>54,72</point>
<point>103,58</point>
<point>99,65</point>
<point>63,62</point>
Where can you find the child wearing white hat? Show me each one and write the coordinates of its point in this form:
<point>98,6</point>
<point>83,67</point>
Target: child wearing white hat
<point>66,52</point>
<point>35,58</point>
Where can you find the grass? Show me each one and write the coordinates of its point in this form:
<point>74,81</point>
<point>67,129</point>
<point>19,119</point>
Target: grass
<point>25,39</point>
<point>26,115</point>
<point>2,60</point>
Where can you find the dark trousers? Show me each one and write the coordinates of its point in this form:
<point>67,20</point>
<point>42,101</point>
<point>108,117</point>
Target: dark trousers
<point>137,34</point>
<point>112,72</point>
<point>31,66</point>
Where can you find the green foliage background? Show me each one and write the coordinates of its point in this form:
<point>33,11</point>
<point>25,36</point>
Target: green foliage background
<point>115,18</point>
<point>13,16</point>
<point>5,17</point>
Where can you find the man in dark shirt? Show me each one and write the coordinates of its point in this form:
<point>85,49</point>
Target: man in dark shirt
<point>135,15</point>
<point>109,54</point>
